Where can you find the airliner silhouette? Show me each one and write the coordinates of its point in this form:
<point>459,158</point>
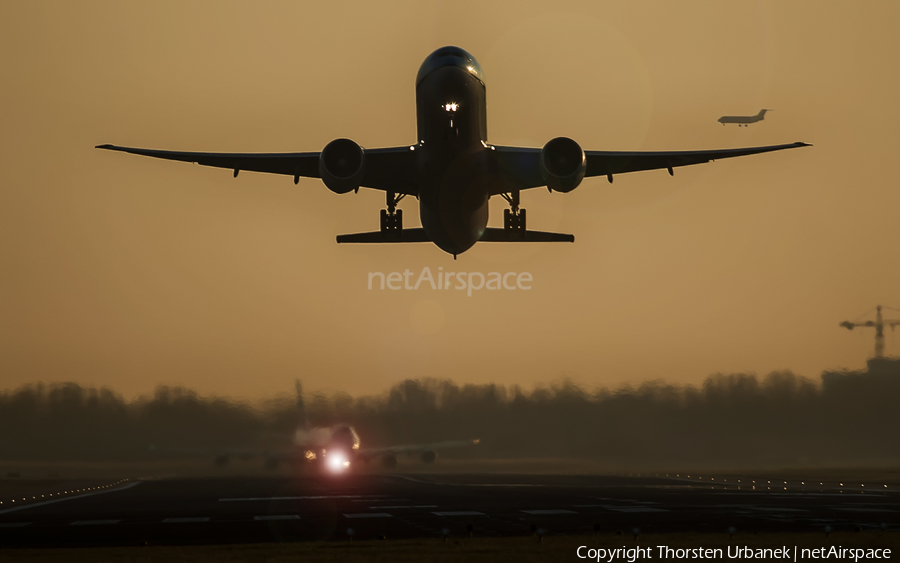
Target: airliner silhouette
<point>452,170</point>
<point>743,119</point>
<point>334,449</point>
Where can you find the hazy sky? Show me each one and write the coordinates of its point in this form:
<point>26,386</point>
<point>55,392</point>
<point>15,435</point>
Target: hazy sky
<point>129,272</point>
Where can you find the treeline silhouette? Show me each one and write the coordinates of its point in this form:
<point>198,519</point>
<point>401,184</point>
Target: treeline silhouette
<point>736,421</point>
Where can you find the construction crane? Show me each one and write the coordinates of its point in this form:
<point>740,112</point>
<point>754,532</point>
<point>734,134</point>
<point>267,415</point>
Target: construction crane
<point>878,323</point>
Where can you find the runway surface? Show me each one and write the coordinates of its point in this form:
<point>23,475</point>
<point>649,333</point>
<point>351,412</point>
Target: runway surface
<point>267,509</point>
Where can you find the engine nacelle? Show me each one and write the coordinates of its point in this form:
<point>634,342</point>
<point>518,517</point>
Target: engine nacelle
<point>428,456</point>
<point>342,164</point>
<point>563,164</point>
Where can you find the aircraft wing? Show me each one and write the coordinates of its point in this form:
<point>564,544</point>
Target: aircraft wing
<point>519,168</point>
<point>387,169</point>
<point>417,448</point>
<point>224,457</point>
<point>219,456</point>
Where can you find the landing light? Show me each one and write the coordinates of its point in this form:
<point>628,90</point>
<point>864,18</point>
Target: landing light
<point>337,462</point>
<point>452,106</point>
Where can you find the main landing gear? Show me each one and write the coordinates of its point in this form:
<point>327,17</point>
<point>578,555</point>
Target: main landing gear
<point>513,218</point>
<point>392,218</point>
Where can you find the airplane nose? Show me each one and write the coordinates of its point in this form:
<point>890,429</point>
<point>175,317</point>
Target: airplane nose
<point>450,56</point>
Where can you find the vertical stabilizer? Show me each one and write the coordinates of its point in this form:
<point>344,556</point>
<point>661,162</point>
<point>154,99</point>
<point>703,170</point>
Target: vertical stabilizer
<point>301,406</point>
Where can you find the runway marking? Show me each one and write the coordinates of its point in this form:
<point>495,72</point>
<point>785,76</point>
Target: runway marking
<point>414,480</point>
<point>854,509</point>
<point>277,517</point>
<point>633,509</point>
<point>551,511</point>
<point>93,522</point>
<point>460,513</point>
<point>776,509</point>
<point>185,520</point>
<point>724,505</point>
<point>36,504</point>
<point>500,485</point>
<point>379,500</point>
<point>368,498</point>
<point>14,524</point>
<point>842,494</point>
<point>369,515</point>
<point>405,506</point>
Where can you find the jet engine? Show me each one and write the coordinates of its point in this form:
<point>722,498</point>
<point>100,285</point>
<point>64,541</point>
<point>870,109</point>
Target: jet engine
<point>563,164</point>
<point>342,164</point>
<point>428,456</point>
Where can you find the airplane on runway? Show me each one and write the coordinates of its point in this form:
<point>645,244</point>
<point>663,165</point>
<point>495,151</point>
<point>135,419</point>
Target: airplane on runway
<point>336,449</point>
<point>452,169</point>
<point>743,119</point>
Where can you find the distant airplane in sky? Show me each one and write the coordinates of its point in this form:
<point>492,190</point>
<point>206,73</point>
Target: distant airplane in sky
<point>452,169</point>
<point>743,119</point>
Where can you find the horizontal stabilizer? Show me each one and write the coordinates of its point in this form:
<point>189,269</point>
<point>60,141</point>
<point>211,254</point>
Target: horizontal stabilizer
<point>492,234</point>
<point>403,235</point>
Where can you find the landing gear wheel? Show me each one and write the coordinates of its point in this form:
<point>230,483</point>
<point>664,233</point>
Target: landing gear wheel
<point>513,218</point>
<point>513,221</point>
<point>391,223</point>
<point>392,218</point>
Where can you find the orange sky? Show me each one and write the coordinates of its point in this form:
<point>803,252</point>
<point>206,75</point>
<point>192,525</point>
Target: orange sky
<point>129,272</point>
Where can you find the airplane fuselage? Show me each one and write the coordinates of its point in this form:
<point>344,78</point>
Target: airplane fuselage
<point>453,164</point>
<point>743,119</point>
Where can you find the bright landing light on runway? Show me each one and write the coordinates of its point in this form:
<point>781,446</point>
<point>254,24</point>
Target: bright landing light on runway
<point>337,462</point>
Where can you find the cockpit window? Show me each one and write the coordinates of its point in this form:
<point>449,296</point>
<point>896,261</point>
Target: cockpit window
<point>450,56</point>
